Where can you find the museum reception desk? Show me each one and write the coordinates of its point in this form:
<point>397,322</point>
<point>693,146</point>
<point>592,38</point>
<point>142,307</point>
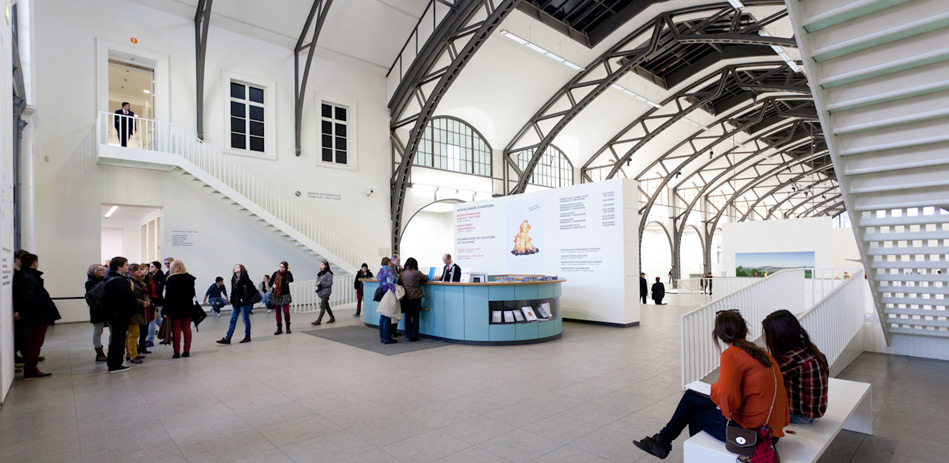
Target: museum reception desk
<point>488,313</point>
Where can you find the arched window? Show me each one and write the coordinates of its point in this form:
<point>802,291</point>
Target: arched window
<point>554,169</point>
<point>451,144</point>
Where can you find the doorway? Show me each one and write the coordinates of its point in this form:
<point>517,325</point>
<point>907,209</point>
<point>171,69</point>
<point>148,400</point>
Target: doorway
<point>131,80</point>
<point>133,232</point>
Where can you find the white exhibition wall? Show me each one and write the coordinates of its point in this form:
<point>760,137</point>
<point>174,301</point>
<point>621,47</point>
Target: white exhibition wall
<point>71,186</point>
<point>427,236</point>
<point>656,253</point>
<point>586,234</point>
<point>833,248</point>
<point>6,206</point>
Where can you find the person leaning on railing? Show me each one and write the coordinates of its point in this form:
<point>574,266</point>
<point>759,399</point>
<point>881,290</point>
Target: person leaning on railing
<point>803,366</point>
<point>749,393</point>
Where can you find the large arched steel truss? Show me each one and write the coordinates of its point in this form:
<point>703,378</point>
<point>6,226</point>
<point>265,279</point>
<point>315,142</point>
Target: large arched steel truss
<point>456,39</point>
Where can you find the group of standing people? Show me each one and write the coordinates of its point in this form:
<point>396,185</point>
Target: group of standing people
<point>390,276</point>
<point>706,283</point>
<point>658,289</point>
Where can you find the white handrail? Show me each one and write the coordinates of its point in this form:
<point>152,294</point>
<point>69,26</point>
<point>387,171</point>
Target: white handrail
<point>837,318</point>
<point>166,137</point>
<point>303,294</point>
<point>694,291</point>
<point>700,355</point>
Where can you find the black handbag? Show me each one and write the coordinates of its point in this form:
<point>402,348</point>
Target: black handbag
<point>379,293</point>
<point>255,298</point>
<point>744,441</point>
<point>198,315</point>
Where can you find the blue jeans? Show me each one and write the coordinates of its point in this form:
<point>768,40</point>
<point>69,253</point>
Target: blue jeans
<point>268,300</point>
<point>698,413</point>
<point>153,326</point>
<point>245,311</point>
<point>217,303</point>
<point>801,419</point>
<point>385,328</point>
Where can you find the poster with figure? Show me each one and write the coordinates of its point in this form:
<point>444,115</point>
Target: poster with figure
<point>524,230</point>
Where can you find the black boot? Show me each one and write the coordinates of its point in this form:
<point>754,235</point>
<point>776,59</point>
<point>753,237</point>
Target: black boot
<point>653,445</point>
<point>279,330</point>
<point>288,328</point>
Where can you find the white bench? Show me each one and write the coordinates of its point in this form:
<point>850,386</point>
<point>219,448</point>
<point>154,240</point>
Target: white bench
<point>849,406</point>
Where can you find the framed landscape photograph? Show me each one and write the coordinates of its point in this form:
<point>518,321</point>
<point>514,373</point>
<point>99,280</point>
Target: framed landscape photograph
<point>762,264</point>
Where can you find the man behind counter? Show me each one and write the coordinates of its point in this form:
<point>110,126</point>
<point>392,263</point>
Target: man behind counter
<point>451,272</point>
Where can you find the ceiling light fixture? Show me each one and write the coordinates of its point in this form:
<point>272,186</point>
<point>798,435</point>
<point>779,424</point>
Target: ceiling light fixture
<point>541,50</point>
<point>690,121</point>
<point>737,4</point>
<point>635,95</point>
<point>111,211</point>
<point>783,54</point>
<point>146,91</point>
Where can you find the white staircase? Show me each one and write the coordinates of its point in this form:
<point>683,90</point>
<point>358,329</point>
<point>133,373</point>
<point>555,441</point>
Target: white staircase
<point>166,146</point>
<point>879,72</point>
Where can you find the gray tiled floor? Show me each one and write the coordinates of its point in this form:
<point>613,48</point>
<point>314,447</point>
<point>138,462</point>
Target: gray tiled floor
<point>583,398</point>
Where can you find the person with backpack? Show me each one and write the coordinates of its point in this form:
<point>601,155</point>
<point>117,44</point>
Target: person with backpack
<point>118,302</point>
<point>243,297</point>
<point>179,304</point>
<point>94,276</point>
<point>324,288</point>
<point>35,309</point>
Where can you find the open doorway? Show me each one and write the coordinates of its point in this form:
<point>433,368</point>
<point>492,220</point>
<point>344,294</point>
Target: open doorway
<point>133,232</point>
<point>429,234</point>
<point>131,80</point>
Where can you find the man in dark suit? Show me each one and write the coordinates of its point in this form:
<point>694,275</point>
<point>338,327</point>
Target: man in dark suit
<point>658,291</point>
<point>451,272</point>
<point>643,286</point>
<point>125,122</point>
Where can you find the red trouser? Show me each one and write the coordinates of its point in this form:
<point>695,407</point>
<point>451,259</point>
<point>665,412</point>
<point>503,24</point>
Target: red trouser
<point>179,325</point>
<point>36,334</point>
<point>358,300</point>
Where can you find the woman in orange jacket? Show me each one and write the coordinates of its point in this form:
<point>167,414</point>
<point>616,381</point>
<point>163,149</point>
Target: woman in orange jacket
<point>749,382</point>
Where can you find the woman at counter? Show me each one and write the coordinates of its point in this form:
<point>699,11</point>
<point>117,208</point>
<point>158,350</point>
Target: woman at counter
<point>386,278</point>
<point>412,279</point>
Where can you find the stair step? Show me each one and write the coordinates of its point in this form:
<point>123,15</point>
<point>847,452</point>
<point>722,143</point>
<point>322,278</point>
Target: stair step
<point>915,301</point>
<point>911,277</point>
<point>899,159</point>
<point>924,196</point>
<point>918,322</point>
<point>914,265</point>
<point>918,51</point>
<point>907,236</point>
<point>824,14</point>
<point>914,19</point>
<point>920,219</point>
<point>920,177</point>
<point>908,251</point>
<point>913,289</point>
<point>901,112</point>
<point>895,145</point>
<point>895,137</point>
<point>918,332</point>
<point>891,87</point>
<point>917,312</point>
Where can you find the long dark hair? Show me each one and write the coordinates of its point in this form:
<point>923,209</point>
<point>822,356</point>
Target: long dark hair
<point>237,278</point>
<point>411,264</point>
<point>328,269</point>
<point>783,332</point>
<point>731,328</point>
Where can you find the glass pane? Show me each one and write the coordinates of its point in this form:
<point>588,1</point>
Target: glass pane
<point>340,143</point>
<point>237,90</point>
<point>341,130</point>
<point>238,125</point>
<point>327,127</point>
<point>257,113</point>
<point>328,154</point>
<point>327,110</point>
<point>237,109</point>
<point>256,94</point>
<point>257,144</point>
<point>340,114</point>
<point>257,128</point>
<point>327,141</point>
<point>340,157</point>
<point>237,141</point>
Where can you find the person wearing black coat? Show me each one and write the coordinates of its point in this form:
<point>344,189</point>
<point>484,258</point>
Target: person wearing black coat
<point>159,278</point>
<point>357,285</point>
<point>658,291</point>
<point>643,289</point>
<point>96,274</point>
<point>119,303</point>
<point>179,304</point>
<point>280,283</point>
<point>35,309</point>
<point>243,293</point>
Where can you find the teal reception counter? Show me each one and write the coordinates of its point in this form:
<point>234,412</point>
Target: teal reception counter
<point>466,312</point>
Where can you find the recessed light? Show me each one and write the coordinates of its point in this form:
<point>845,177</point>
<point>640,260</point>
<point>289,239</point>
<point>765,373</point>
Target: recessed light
<point>147,91</point>
<point>111,211</point>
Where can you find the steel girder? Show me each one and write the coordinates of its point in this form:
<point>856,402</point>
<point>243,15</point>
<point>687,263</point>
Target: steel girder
<point>663,35</point>
<point>818,205</point>
<point>809,195</point>
<point>202,18</point>
<point>318,11</point>
<point>790,196</point>
<point>785,184</point>
<point>428,85</point>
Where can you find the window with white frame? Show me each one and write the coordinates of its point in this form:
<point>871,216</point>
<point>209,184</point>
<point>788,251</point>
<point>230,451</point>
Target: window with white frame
<point>554,169</point>
<point>248,127</point>
<point>335,133</point>
<point>454,145</point>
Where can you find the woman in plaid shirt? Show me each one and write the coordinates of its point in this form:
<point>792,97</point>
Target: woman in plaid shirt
<point>804,368</point>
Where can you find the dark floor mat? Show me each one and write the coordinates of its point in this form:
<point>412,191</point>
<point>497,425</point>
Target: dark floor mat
<point>368,338</point>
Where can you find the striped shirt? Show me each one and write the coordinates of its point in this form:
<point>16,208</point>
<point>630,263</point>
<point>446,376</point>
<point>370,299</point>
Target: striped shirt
<point>805,382</point>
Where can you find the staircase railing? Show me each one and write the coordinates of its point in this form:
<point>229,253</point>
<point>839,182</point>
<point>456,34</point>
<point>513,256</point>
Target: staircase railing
<point>693,291</point>
<point>270,205</point>
<point>700,354</point>
<point>837,318</point>
<point>303,294</point>
<point>433,15</point>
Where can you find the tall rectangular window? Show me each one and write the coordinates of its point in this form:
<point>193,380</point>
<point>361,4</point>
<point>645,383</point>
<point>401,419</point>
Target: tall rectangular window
<point>334,133</point>
<point>247,127</point>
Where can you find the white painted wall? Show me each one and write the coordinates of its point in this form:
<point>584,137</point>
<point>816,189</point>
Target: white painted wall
<point>427,237</point>
<point>792,235</point>
<point>846,250</point>
<point>656,254</point>
<point>113,244</point>
<point>70,185</point>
